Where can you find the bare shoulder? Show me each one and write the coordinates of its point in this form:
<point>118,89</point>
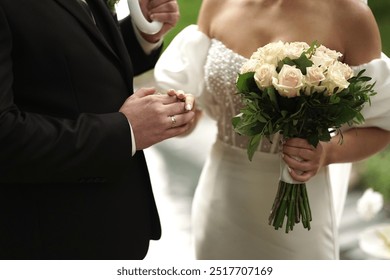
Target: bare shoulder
<point>360,31</point>
<point>208,10</point>
<point>353,10</point>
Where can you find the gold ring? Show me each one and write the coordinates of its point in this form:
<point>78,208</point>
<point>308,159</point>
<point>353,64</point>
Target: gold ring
<point>173,121</point>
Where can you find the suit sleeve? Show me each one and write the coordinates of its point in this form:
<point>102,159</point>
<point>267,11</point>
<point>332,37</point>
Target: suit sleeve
<point>141,62</point>
<point>40,148</point>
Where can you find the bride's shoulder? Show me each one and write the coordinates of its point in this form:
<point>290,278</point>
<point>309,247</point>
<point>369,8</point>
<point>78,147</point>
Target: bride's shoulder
<point>352,8</point>
<point>356,17</point>
<point>209,10</point>
<point>360,31</point>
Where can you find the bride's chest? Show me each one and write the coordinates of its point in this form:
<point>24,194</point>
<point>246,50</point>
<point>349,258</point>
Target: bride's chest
<point>221,69</point>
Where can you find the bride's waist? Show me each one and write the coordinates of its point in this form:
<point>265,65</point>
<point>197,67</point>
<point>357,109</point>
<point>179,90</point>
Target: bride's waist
<point>231,157</point>
<point>235,141</point>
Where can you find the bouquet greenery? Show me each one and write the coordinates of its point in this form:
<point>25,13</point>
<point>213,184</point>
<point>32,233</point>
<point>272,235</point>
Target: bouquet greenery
<point>111,5</point>
<point>297,90</point>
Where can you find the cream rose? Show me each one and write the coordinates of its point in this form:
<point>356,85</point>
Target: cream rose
<point>249,66</point>
<point>336,77</point>
<point>344,69</point>
<point>334,55</point>
<point>313,78</point>
<point>264,74</point>
<point>271,53</point>
<point>289,81</point>
<point>295,49</point>
<point>325,57</point>
<point>314,75</point>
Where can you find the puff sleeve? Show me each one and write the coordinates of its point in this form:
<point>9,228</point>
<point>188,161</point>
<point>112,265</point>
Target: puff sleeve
<point>378,114</point>
<point>181,65</point>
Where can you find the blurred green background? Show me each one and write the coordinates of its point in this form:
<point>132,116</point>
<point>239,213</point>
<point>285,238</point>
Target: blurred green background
<point>373,172</point>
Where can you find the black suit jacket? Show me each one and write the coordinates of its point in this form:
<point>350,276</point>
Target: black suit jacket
<point>69,188</point>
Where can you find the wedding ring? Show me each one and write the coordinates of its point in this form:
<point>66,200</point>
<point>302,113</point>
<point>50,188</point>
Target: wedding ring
<point>173,121</point>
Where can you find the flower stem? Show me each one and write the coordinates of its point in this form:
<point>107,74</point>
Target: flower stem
<point>281,210</point>
<point>277,201</point>
<point>291,201</point>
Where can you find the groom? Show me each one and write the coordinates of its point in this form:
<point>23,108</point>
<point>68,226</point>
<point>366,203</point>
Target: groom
<point>73,179</point>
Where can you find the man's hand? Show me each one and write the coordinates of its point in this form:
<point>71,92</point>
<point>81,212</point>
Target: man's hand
<point>155,117</point>
<point>165,11</point>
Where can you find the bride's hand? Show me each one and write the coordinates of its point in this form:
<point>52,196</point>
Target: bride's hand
<point>189,100</point>
<point>303,159</point>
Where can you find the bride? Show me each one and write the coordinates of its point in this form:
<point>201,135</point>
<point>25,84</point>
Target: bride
<point>234,196</point>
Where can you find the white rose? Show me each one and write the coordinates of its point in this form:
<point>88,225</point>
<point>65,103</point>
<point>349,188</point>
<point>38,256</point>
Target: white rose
<point>314,77</point>
<point>289,81</point>
<point>330,53</point>
<point>256,55</point>
<point>249,66</point>
<point>264,74</point>
<point>369,204</point>
<point>336,77</point>
<point>325,57</point>
<point>344,69</point>
<point>320,59</point>
<point>295,49</point>
<point>271,53</point>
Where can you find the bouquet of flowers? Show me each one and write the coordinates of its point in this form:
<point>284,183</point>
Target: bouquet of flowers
<point>297,90</point>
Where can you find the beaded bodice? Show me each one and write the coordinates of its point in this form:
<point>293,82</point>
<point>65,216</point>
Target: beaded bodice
<point>221,68</point>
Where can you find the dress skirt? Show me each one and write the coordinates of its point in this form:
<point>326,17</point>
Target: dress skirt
<point>232,204</point>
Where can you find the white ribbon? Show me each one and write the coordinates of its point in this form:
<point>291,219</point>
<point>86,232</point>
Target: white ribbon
<point>285,173</point>
<point>142,23</point>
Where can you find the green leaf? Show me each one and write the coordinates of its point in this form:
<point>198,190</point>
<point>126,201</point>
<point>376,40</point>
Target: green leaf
<point>271,92</point>
<point>302,63</point>
<point>253,145</point>
<point>236,120</point>
<point>245,82</point>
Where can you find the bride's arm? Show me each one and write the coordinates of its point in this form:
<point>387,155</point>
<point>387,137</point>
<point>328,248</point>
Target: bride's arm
<point>190,105</point>
<point>305,160</point>
<point>374,135</point>
<point>359,144</point>
<point>180,67</point>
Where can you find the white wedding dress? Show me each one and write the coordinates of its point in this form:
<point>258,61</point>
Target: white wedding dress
<point>234,196</point>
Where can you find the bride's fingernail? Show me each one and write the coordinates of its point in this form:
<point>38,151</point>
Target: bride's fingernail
<point>289,169</point>
<point>188,107</point>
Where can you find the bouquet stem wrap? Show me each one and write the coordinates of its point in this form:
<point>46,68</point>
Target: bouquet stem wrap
<point>291,202</point>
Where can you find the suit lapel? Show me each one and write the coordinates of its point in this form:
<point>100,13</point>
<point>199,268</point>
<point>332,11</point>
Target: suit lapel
<point>120,53</point>
<point>115,35</point>
<point>73,8</point>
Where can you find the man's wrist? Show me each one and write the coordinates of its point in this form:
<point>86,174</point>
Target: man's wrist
<point>147,45</point>
<point>133,145</point>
